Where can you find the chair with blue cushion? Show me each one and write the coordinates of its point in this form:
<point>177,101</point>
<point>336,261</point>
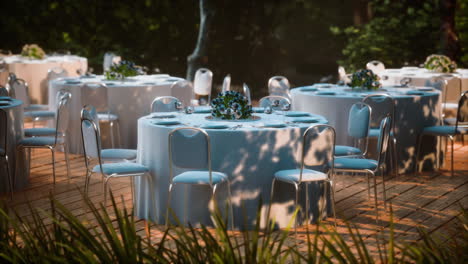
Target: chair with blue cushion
<point>202,85</point>
<point>95,94</point>
<point>358,129</point>
<point>190,148</point>
<point>183,90</point>
<point>94,162</point>
<point>279,86</point>
<point>166,104</point>
<point>275,102</point>
<point>369,166</point>
<point>316,165</point>
<point>59,139</point>
<point>383,105</point>
<point>4,148</point>
<point>460,127</point>
<point>89,112</point>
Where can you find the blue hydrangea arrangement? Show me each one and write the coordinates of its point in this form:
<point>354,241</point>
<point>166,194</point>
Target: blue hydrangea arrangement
<point>123,69</point>
<point>231,105</point>
<point>365,79</point>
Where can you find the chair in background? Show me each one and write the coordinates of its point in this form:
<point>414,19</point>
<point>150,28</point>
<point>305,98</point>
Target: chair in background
<point>278,103</point>
<point>369,166</point>
<point>202,85</point>
<point>450,96</point>
<point>279,86</point>
<point>109,59</point>
<point>4,149</point>
<point>95,94</point>
<point>93,160</point>
<point>314,155</point>
<point>375,66</point>
<point>342,76</point>
<point>183,90</point>
<point>358,128</point>
<point>3,91</point>
<point>166,104</point>
<point>383,105</point>
<point>55,73</point>
<point>21,92</point>
<point>190,148</point>
<point>460,128</point>
<point>247,93</point>
<point>226,84</point>
<point>52,143</point>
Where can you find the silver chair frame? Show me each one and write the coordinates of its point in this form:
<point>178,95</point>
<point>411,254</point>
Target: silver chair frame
<point>279,79</point>
<point>204,71</point>
<point>272,99</point>
<point>226,84</point>
<point>297,185</point>
<point>212,186</point>
<point>366,143</point>
<point>177,103</point>
<point>5,157</point>
<point>247,93</point>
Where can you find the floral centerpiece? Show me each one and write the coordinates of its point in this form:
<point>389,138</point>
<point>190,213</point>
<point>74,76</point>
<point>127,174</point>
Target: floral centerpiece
<point>231,105</point>
<point>123,69</point>
<point>365,79</point>
<point>33,51</point>
<point>440,63</point>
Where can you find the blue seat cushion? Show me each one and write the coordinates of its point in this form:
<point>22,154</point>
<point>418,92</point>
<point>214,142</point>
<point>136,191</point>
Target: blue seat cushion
<point>39,141</point>
<point>444,130</point>
<point>107,117</point>
<point>121,168</point>
<point>294,174</point>
<point>39,132</point>
<point>346,151</point>
<point>36,107</point>
<point>355,164</point>
<point>119,154</point>
<point>40,114</point>
<point>200,177</point>
<point>375,132</point>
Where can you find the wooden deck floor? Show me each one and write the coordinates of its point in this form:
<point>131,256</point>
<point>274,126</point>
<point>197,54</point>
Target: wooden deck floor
<point>431,200</point>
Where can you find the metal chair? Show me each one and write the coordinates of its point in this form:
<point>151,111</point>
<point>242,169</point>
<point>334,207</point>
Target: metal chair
<point>342,76</point>
<point>92,153</point>
<point>89,112</point>
<point>109,59</point>
<point>247,93</point>
<point>383,105</point>
<point>166,104</point>
<point>274,102</point>
<point>314,156</point>
<point>369,166</point>
<point>4,91</point>
<point>55,73</point>
<point>226,84</point>
<point>4,148</point>
<point>190,148</point>
<point>95,94</point>
<point>460,127</point>
<point>375,66</point>
<point>202,85</point>
<point>58,140</point>
<point>358,128</point>
<point>21,92</point>
<point>183,90</point>
<point>279,86</point>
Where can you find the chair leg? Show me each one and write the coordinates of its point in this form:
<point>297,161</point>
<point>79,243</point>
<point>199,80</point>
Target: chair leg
<point>67,160</point>
<point>375,199</point>
<point>418,149</point>
<point>332,192</point>
<point>87,180</point>
<point>307,204</point>
<point>105,189</point>
<point>384,191</point>
<point>395,157</point>
<point>230,204</point>
<point>111,128</point>
<point>53,163</point>
<point>10,181</point>
<point>296,202</point>
<point>151,190</point>
<point>325,202</point>
<point>119,139</point>
<point>168,203</point>
<point>451,162</point>
<point>368,186</point>
<point>267,224</point>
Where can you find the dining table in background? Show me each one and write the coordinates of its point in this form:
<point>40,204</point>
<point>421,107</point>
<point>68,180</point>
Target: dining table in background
<point>248,151</point>
<point>415,108</point>
<point>34,71</point>
<point>130,99</point>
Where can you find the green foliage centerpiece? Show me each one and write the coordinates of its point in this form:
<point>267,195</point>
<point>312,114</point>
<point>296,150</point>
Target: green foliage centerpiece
<point>33,51</point>
<point>440,63</point>
<point>365,79</point>
<point>123,69</point>
<point>231,105</point>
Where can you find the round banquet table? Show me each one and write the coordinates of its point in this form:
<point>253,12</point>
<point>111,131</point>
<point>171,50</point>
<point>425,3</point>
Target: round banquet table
<point>15,133</point>
<point>34,72</point>
<point>129,99</point>
<point>247,151</point>
<point>415,109</point>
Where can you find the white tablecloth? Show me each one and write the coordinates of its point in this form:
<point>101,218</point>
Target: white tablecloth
<point>34,72</point>
<point>249,155</point>
<point>14,134</point>
<point>412,114</point>
<point>129,100</point>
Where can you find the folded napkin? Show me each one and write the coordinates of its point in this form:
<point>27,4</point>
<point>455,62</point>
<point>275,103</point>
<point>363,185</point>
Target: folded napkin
<point>162,115</point>
<point>202,110</point>
<point>305,120</point>
<point>72,81</point>
<point>274,125</point>
<point>309,89</point>
<point>215,126</point>
<point>415,92</point>
<point>296,114</point>
<point>325,93</point>
<point>425,89</point>
<point>258,109</point>
<point>167,123</point>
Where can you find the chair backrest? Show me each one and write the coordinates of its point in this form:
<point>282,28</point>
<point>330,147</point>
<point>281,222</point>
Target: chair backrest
<point>275,102</point>
<point>95,94</point>
<point>9,84</point>
<point>189,148</point>
<point>382,105</point>
<point>183,90</point>
<point>62,115</point>
<point>247,93</point>
<point>166,104</point>
<point>383,141</point>
<point>226,84</point>
<point>89,112</point>
<point>4,91</point>
<point>3,132</point>
<point>375,66</point>
<point>318,144</point>
<point>109,59</point>
<point>462,111</point>
<point>359,120</point>
<point>279,85</point>
<point>55,73</point>
<point>21,91</point>
<point>90,136</point>
<point>203,82</point>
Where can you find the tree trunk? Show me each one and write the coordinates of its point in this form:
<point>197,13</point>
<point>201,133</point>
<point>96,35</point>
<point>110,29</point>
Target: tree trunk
<point>449,42</point>
<point>199,57</point>
<point>361,12</point>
